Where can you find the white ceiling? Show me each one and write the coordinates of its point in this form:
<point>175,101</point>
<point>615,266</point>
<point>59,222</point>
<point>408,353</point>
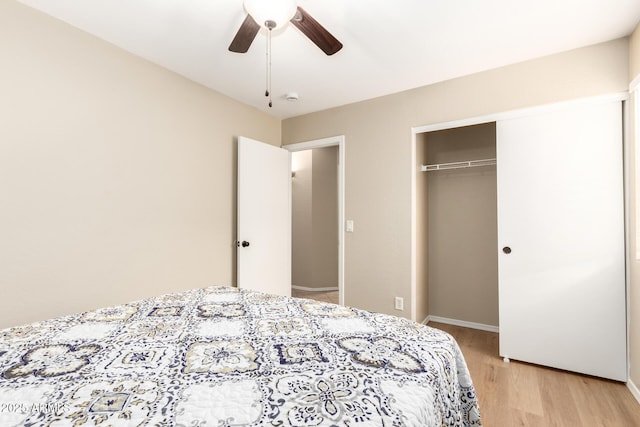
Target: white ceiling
<point>389,46</point>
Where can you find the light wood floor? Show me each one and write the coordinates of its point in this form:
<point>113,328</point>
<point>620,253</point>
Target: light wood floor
<point>521,394</point>
<point>331,296</point>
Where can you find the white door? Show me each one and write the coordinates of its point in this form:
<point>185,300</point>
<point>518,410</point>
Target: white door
<point>561,239</point>
<point>264,217</point>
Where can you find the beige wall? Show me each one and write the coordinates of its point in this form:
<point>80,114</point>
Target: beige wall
<point>462,225</point>
<point>315,218</point>
<point>634,296</point>
<point>116,176</point>
<point>378,151</point>
<point>422,235</point>
<point>301,214</point>
<point>634,54</point>
<point>325,217</point>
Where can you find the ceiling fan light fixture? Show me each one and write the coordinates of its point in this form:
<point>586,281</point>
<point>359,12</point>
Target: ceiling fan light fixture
<point>273,11</point>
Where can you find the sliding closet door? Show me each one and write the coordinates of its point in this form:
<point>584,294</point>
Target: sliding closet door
<point>561,239</point>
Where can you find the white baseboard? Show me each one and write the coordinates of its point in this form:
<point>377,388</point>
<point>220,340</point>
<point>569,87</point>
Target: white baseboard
<point>463,323</point>
<point>304,288</point>
<point>634,390</point>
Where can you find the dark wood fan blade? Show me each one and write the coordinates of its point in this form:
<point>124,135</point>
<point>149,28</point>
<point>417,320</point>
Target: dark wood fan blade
<point>245,35</point>
<point>316,32</point>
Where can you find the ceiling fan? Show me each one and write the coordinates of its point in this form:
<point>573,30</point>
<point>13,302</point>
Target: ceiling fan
<point>272,14</point>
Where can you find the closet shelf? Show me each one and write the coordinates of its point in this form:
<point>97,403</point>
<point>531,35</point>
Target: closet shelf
<point>458,165</point>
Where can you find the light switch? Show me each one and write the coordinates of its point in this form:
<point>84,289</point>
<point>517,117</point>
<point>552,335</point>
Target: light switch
<point>349,226</point>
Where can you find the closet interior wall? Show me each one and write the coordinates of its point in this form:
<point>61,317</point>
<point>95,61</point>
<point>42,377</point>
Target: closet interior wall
<point>457,226</point>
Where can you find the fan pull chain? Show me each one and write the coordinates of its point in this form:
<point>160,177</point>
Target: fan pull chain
<point>267,92</point>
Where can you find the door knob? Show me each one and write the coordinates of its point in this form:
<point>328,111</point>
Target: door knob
<point>245,243</point>
<point>506,250</point>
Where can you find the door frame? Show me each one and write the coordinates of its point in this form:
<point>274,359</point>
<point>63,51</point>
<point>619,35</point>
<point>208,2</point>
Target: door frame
<point>333,141</point>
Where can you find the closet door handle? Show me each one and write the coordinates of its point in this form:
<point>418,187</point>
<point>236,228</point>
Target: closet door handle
<point>506,250</point>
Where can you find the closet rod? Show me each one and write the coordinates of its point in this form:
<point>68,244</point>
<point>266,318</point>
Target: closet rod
<point>458,165</point>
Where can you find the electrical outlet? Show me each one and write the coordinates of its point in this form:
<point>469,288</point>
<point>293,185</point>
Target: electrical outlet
<point>399,303</point>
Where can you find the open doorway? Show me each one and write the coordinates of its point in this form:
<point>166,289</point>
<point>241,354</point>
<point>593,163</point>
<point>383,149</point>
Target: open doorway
<point>317,215</point>
<point>314,219</point>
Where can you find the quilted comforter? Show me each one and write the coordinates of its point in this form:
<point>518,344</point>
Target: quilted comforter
<point>223,356</point>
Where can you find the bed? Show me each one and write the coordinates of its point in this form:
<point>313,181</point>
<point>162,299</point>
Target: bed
<point>223,356</point>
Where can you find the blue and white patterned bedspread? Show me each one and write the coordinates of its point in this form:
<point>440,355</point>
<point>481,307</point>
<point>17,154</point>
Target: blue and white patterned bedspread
<point>227,357</point>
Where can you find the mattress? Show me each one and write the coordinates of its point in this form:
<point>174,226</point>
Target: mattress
<point>223,356</point>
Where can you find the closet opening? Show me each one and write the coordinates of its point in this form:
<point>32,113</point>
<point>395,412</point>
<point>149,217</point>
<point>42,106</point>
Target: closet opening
<point>456,226</point>
<point>559,223</point>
